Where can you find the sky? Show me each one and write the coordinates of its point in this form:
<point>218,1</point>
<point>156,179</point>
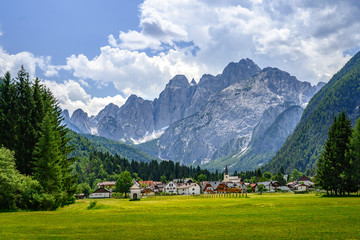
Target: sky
<point>91,53</point>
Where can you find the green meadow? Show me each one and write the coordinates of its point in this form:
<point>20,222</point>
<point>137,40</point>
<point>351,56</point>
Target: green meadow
<point>267,216</point>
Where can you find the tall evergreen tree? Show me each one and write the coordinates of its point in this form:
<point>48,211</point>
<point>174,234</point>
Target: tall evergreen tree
<point>332,162</point>
<point>34,130</point>
<point>7,112</point>
<point>47,157</point>
<point>351,175</point>
<point>25,132</point>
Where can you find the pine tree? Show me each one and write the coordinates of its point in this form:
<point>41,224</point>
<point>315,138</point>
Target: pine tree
<point>25,132</point>
<point>47,157</point>
<point>332,162</point>
<point>7,112</point>
<point>352,174</point>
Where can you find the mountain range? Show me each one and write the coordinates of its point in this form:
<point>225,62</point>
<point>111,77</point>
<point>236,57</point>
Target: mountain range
<point>238,118</point>
<point>341,94</point>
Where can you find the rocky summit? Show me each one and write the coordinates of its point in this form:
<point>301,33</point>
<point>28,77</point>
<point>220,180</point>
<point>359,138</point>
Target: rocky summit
<point>218,121</point>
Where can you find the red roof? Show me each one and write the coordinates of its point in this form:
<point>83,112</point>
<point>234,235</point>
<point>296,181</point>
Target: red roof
<point>148,183</point>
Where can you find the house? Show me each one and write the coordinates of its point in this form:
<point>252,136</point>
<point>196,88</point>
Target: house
<point>148,191</point>
<point>107,184</point>
<point>253,187</point>
<point>270,186</point>
<point>221,188</point>
<point>234,187</point>
<point>183,180</point>
<point>300,188</point>
<point>159,187</point>
<point>305,180</point>
<point>228,178</point>
<point>135,191</point>
<point>189,189</point>
<point>150,184</point>
<point>101,193</point>
<point>171,187</point>
<point>210,187</point>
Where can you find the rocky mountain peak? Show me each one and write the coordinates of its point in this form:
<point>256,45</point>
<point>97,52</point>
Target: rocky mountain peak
<point>81,120</point>
<point>79,113</point>
<point>66,114</point>
<point>179,81</point>
<point>244,69</point>
<point>109,110</point>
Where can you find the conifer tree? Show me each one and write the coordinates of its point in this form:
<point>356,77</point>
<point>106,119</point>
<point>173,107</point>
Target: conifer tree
<point>25,132</point>
<point>7,112</point>
<point>352,174</point>
<point>332,162</point>
<point>47,157</point>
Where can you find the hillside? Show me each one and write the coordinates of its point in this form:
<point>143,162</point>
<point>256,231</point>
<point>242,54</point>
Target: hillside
<point>302,148</point>
<point>85,144</point>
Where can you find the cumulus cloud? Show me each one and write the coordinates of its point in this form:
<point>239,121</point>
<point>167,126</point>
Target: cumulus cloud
<point>133,71</point>
<point>309,39</point>
<point>72,96</point>
<point>13,62</point>
<point>306,38</point>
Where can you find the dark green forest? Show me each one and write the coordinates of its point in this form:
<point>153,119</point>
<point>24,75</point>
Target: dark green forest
<point>104,166</point>
<point>338,168</point>
<point>35,169</point>
<point>84,144</point>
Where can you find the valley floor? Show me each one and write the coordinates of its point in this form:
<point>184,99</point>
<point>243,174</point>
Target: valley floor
<point>267,216</point>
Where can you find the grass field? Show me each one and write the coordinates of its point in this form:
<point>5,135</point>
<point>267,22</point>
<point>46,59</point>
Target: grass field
<point>267,216</point>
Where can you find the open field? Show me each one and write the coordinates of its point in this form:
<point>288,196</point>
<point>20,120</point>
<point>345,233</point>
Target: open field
<point>267,216</point>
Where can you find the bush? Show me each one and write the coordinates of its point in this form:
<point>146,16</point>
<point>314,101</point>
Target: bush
<point>92,205</point>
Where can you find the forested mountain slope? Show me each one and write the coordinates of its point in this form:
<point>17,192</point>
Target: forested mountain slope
<point>301,149</point>
<point>85,144</point>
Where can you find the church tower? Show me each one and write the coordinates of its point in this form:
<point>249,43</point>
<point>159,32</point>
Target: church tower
<point>226,175</point>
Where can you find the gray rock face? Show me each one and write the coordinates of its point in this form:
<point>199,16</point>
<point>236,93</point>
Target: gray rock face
<point>221,117</point>
<point>81,120</point>
<point>228,121</point>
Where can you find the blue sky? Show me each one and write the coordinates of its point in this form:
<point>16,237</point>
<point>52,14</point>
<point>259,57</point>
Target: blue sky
<point>91,53</point>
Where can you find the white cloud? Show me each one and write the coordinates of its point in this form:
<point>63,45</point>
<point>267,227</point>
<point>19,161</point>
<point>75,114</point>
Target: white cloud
<point>133,40</point>
<point>13,62</point>
<point>306,38</point>
<point>72,96</point>
<point>132,71</point>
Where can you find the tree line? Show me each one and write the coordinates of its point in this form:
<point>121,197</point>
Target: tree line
<point>338,167</point>
<point>35,167</point>
<point>104,166</point>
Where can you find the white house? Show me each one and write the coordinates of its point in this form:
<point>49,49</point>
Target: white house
<point>189,189</point>
<point>171,187</point>
<point>300,188</point>
<point>101,193</point>
<point>270,186</point>
<point>135,192</point>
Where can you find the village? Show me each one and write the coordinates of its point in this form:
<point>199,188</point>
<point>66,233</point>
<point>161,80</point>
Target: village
<point>230,185</point>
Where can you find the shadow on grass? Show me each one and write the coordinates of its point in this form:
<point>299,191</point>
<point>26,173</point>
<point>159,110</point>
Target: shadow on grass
<point>341,196</point>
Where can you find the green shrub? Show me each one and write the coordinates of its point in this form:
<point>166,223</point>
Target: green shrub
<point>92,205</point>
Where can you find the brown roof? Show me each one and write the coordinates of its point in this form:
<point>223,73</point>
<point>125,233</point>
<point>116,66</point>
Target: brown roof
<point>101,190</point>
<point>108,183</point>
<point>303,178</point>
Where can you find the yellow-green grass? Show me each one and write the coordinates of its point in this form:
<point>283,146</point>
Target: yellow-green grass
<point>267,216</point>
